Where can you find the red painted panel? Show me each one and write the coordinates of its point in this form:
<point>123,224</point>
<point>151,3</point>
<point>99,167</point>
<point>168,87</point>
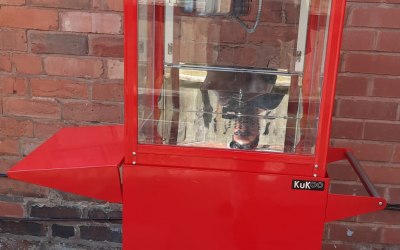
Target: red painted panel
<point>231,164</point>
<point>81,160</point>
<point>336,24</point>
<point>343,206</point>
<point>131,77</point>
<point>169,208</point>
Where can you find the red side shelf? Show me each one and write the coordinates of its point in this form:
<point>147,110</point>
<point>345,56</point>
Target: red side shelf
<point>81,160</point>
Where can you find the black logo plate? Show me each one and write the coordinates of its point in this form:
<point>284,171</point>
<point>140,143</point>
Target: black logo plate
<point>308,185</point>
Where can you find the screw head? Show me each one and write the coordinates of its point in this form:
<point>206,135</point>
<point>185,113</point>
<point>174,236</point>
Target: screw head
<point>134,153</point>
<point>316,166</point>
<point>380,203</point>
<point>134,163</point>
<point>315,175</point>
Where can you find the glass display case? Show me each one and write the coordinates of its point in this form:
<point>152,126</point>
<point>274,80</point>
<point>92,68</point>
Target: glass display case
<point>231,74</point>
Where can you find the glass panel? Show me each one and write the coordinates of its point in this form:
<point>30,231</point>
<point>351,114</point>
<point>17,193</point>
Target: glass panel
<point>234,74</point>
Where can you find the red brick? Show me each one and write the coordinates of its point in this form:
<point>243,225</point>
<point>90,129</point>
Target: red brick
<point>386,41</point>
<point>391,236</point>
<point>355,232</point>
<point>204,30</point>
<point>347,129</point>
<point>292,13</point>
<point>375,17</point>
<point>115,5</point>
<point>227,36</point>
<point>348,189</point>
<point>386,87</point>
<point>270,57</point>
<point>40,108</point>
<point>394,196</point>
<point>341,171</point>
<point>382,131</point>
<point>58,43</point>
<point>48,87</point>
<point>92,112</point>
<point>27,63</point>
<point>45,130</point>
<point>9,147</point>
<point>368,151</point>
<point>236,55</point>
<point>186,31</point>
<point>74,67</point>
<point>5,63</point>
<point>108,91</point>
<point>396,157</point>
<point>16,17</point>
<point>337,246</point>
<point>28,145</point>
<point>200,54</point>
<point>12,2</point>
<point>368,109</point>
<point>107,46</point>
<point>16,127</point>
<point>354,39</point>
<point>384,217</point>
<point>13,40</point>
<point>115,69</point>
<point>386,175</point>
<point>245,56</point>
<point>10,85</point>
<point>371,63</point>
<point>272,12</point>
<point>16,188</point>
<point>8,209</point>
<point>91,22</point>
<point>273,35</point>
<point>70,4</point>
<point>6,162</point>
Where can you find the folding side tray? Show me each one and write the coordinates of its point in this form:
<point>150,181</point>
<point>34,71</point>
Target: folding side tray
<point>81,160</point>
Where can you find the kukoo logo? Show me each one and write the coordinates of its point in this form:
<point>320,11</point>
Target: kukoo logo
<point>308,185</point>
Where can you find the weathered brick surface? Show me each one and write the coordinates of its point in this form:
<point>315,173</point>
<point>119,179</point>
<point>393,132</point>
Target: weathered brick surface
<point>38,18</point>
<point>56,61</point>
<point>12,2</point>
<point>100,233</point>
<point>55,212</point>
<point>11,209</point>
<point>40,108</point>
<point>70,4</point>
<point>62,231</point>
<point>27,63</point>
<point>368,116</point>
<point>60,88</point>
<point>58,43</point>
<point>91,22</point>
<point>73,67</point>
<point>5,63</point>
<point>107,46</point>
<point>13,40</point>
<point>94,112</point>
<point>108,5</point>
<point>23,228</point>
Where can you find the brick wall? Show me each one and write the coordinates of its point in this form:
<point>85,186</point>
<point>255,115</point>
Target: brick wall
<point>61,65</point>
<point>367,119</point>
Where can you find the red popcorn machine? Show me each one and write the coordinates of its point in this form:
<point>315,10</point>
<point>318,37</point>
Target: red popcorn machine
<point>227,126</point>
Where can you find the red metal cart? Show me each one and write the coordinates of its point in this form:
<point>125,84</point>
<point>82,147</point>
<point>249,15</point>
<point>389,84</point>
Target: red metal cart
<point>227,127</point>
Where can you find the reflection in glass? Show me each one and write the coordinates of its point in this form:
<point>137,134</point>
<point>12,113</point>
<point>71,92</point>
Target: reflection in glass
<point>221,85</point>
